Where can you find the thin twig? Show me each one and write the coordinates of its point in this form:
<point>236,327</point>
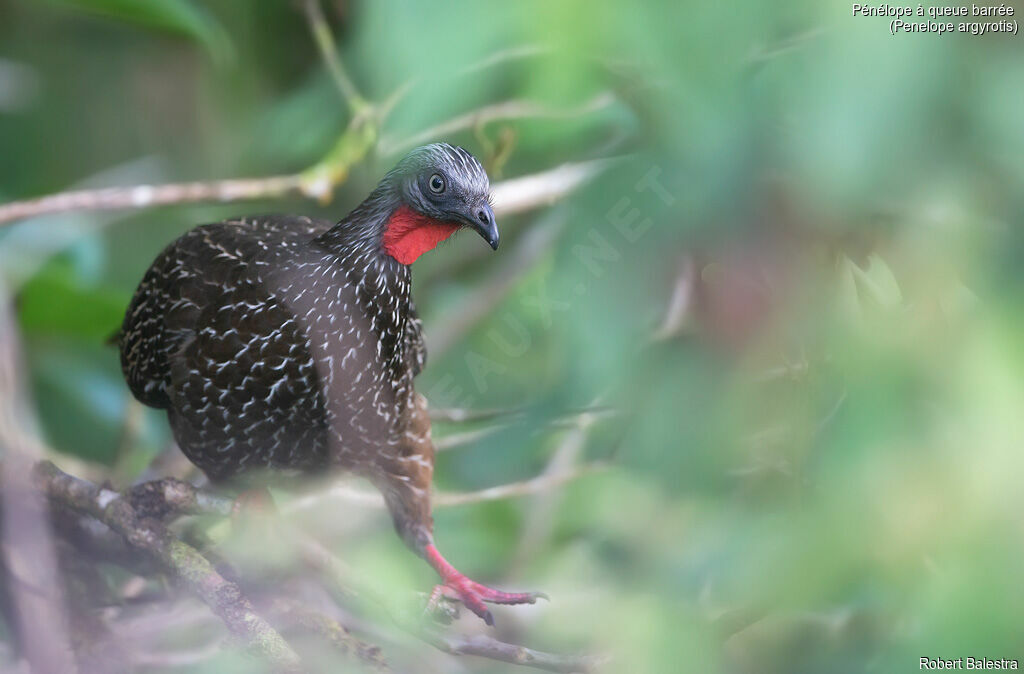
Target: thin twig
<point>500,57</point>
<point>458,415</point>
<point>504,56</point>
<point>442,499</point>
<point>680,304</point>
<point>541,483</point>
<point>489,647</point>
<point>504,111</point>
<point>539,521</point>
<point>461,415</point>
<point>329,53</point>
<point>466,438</point>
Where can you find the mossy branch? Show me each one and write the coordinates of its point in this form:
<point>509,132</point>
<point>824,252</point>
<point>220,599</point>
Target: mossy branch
<point>181,560</point>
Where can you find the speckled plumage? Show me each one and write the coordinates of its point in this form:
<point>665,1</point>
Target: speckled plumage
<point>291,344</point>
<point>241,330</point>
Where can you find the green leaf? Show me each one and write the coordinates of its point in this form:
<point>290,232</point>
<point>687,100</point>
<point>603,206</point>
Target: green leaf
<point>56,302</point>
<point>872,286</point>
<point>879,283</point>
<point>177,17</point>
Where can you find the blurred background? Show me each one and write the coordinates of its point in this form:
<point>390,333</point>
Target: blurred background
<point>767,358</point>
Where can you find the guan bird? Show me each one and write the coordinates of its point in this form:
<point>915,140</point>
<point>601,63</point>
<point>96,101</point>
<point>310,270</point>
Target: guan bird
<point>290,345</point>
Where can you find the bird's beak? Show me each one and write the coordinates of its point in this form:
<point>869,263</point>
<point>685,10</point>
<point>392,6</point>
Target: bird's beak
<point>481,219</point>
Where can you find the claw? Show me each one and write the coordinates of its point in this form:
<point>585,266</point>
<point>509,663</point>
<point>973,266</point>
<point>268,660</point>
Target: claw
<point>454,585</point>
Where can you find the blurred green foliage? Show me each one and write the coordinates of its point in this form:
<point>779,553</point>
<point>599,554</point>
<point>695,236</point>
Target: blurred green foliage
<point>819,472</point>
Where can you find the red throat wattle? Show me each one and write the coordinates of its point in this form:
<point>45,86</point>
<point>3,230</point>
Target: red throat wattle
<point>410,234</point>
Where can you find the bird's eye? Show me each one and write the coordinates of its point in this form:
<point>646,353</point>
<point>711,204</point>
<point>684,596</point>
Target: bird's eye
<point>436,183</point>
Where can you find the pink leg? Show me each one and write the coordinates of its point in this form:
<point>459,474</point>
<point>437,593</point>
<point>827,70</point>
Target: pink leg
<point>470,593</point>
<point>253,501</point>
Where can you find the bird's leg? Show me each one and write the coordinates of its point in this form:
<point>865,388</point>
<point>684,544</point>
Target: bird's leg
<point>253,514</point>
<point>256,500</point>
<point>404,479</point>
<point>472,594</point>
<point>410,509</point>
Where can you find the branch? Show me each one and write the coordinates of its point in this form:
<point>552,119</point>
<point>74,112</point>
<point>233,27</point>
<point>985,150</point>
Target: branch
<point>365,497</point>
<point>317,182</point>
<point>539,520</point>
<point>498,58</point>
<point>146,196</point>
<point>541,483</point>
<point>336,634</point>
<point>680,304</point>
<point>545,188</point>
<point>183,561</point>
<point>135,516</point>
<point>168,497</point>
<point>455,440</point>
<point>329,53</point>
<point>460,415</point>
<point>488,647</point>
<point>321,559</point>
<point>507,110</point>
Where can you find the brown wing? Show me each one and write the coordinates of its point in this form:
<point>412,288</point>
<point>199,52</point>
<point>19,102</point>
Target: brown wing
<point>207,338</point>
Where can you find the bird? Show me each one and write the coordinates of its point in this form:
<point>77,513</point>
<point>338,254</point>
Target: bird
<point>287,346</point>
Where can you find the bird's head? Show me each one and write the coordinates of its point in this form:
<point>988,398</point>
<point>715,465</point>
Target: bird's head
<point>437,190</point>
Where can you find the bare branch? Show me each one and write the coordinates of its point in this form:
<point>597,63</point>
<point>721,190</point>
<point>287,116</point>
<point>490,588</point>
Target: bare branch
<point>318,182</point>
<point>518,195</point>
<point>488,647</point>
<point>526,193</point>
<point>541,483</point>
<point>147,196</point>
<point>183,561</point>
<point>135,516</point>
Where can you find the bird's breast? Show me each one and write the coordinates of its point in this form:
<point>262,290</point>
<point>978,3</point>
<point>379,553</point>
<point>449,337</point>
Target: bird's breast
<point>354,320</point>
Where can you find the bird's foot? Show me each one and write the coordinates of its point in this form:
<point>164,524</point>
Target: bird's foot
<point>253,514</point>
<point>473,595</point>
<point>256,501</point>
